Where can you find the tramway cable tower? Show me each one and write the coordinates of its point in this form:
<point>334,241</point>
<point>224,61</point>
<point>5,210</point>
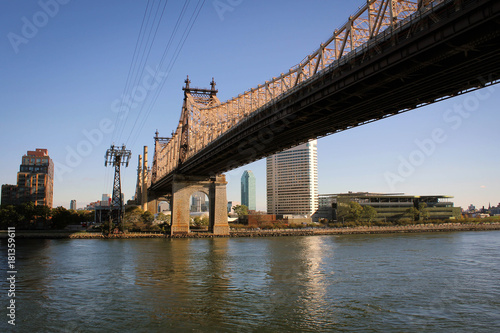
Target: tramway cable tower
<point>117,157</point>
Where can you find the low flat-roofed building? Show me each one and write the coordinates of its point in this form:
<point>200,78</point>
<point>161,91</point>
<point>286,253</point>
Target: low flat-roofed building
<point>389,206</point>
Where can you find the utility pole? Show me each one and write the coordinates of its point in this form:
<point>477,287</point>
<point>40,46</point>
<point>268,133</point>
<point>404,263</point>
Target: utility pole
<point>116,157</point>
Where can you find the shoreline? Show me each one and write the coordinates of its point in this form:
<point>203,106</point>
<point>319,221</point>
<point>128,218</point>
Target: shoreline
<point>418,228</point>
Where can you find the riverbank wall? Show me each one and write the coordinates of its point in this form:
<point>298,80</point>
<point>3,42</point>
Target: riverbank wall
<point>447,227</point>
<point>370,230</point>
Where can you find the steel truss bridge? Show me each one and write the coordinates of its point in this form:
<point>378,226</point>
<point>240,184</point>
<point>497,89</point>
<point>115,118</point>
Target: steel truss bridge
<point>390,57</point>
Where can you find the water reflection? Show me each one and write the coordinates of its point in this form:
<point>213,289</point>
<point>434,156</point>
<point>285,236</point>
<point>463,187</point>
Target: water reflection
<point>316,305</point>
<point>305,284</point>
<point>208,278</point>
<point>297,282</point>
<point>185,278</point>
<point>36,284</point>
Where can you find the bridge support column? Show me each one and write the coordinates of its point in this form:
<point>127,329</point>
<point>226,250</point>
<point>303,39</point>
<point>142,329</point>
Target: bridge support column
<point>182,189</point>
<point>218,206</point>
<point>144,198</point>
<point>152,206</point>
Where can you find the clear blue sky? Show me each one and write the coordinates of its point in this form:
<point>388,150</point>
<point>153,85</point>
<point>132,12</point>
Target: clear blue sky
<point>65,67</point>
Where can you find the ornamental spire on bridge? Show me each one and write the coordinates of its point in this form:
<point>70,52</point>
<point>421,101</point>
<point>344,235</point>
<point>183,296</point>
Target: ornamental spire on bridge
<point>195,106</point>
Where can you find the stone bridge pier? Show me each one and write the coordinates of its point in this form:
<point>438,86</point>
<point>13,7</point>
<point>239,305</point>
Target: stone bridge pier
<point>215,189</point>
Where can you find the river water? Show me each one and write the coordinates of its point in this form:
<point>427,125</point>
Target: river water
<point>430,282</point>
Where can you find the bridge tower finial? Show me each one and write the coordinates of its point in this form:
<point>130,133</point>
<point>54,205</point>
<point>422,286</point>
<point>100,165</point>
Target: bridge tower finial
<point>187,82</point>
<point>213,91</point>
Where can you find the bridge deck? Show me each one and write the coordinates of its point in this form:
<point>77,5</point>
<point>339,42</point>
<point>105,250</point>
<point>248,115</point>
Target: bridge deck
<point>437,56</point>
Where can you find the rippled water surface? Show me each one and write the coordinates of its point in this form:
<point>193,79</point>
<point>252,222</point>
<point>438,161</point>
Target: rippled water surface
<point>445,282</point>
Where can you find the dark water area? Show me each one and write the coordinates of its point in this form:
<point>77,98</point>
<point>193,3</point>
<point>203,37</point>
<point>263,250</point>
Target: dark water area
<point>429,282</point>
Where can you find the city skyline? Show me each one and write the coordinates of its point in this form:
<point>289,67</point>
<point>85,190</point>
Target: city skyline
<point>67,98</point>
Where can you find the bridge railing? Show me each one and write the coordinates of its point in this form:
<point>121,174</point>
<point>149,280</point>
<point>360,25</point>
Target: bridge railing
<point>367,27</point>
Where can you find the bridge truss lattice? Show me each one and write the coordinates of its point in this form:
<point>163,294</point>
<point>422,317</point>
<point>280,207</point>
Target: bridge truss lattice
<point>204,118</point>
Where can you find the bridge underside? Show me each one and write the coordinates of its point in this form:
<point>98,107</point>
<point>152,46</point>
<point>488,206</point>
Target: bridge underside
<point>444,54</point>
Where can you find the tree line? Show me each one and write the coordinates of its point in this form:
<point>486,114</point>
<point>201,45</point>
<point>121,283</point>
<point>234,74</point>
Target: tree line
<point>27,216</point>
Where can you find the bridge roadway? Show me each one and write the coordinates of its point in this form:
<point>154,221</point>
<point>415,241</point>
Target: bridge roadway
<point>433,57</point>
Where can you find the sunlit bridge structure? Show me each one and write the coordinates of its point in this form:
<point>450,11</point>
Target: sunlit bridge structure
<point>390,57</point>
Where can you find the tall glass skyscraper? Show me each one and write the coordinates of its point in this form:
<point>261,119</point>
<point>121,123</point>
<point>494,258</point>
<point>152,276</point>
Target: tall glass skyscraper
<point>292,180</point>
<point>248,196</point>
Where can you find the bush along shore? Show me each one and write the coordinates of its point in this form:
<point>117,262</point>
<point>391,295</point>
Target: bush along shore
<point>429,227</point>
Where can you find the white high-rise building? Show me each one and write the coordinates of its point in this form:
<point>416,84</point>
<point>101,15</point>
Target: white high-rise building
<point>106,200</point>
<point>292,181</point>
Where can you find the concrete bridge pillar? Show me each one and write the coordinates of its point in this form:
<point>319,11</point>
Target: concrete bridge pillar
<point>218,224</point>
<point>215,188</point>
<point>152,206</point>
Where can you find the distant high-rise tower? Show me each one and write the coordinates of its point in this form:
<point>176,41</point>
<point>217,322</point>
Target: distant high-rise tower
<point>292,180</point>
<point>35,181</point>
<point>248,196</point>
<point>106,200</point>
<point>196,201</point>
<point>72,204</point>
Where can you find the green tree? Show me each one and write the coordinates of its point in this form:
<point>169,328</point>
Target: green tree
<point>27,213</point>
<point>42,212</point>
<point>241,210</point>
<point>9,217</point>
<point>200,221</point>
<point>85,215</point>
<point>355,211</point>
<point>424,211</point>
<point>369,213</point>
<point>194,221</point>
<point>413,213</point>
<point>342,207</point>
<point>133,220</point>
<point>107,226</point>
<point>61,217</point>
<point>148,218</point>
<point>163,218</point>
